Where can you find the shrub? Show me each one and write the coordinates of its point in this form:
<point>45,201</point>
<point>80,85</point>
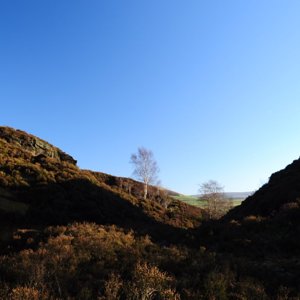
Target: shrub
<point>27,293</point>
<point>250,289</point>
<point>112,288</point>
<point>148,282</point>
<point>215,286</point>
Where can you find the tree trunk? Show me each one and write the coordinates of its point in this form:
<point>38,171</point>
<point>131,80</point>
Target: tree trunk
<point>145,190</point>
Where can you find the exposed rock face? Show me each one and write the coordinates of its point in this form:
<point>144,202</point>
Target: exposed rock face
<point>34,145</point>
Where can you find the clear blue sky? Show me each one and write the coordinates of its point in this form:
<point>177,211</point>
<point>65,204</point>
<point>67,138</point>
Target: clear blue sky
<point>212,87</point>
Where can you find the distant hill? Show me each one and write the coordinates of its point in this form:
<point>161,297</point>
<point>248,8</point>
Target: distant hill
<point>238,195</point>
<point>232,195</point>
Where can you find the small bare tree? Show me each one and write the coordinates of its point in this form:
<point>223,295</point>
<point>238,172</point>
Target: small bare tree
<point>145,167</point>
<point>213,193</point>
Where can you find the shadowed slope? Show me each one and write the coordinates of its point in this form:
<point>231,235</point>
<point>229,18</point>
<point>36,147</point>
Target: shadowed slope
<point>41,185</point>
<point>282,188</point>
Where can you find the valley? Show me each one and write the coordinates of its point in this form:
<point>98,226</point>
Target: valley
<point>68,233</point>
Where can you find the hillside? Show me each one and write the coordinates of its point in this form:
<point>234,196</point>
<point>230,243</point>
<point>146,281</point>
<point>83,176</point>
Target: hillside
<point>68,233</point>
<point>282,190</point>
<point>262,234</point>
<point>41,185</point>
<point>270,218</point>
<point>238,195</point>
<point>236,198</point>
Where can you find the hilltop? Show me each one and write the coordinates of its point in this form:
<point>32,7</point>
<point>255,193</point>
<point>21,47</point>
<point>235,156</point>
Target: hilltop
<point>41,185</point>
<point>282,190</point>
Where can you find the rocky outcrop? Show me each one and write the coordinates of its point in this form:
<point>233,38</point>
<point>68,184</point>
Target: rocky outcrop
<point>34,145</point>
<point>41,185</point>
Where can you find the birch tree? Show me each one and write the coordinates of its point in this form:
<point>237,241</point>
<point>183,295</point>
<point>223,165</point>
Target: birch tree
<point>213,193</point>
<point>145,167</point>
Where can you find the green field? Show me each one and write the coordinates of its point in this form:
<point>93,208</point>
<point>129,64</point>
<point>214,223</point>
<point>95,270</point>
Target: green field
<point>193,200</point>
<point>236,202</point>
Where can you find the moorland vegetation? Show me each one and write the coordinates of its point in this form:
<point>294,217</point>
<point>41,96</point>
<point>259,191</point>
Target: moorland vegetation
<point>68,233</point>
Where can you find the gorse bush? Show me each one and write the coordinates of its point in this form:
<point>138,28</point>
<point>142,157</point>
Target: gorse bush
<point>89,261</point>
<point>81,252</point>
<point>148,282</point>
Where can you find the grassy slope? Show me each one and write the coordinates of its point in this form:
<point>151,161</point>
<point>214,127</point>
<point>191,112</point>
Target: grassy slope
<point>193,200</point>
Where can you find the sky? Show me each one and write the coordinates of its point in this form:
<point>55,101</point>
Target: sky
<point>211,87</point>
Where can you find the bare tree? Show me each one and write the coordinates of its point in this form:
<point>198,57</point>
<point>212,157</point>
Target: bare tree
<point>213,193</point>
<point>145,167</point>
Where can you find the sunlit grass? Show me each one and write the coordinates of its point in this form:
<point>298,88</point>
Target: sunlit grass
<point>193,200</point>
